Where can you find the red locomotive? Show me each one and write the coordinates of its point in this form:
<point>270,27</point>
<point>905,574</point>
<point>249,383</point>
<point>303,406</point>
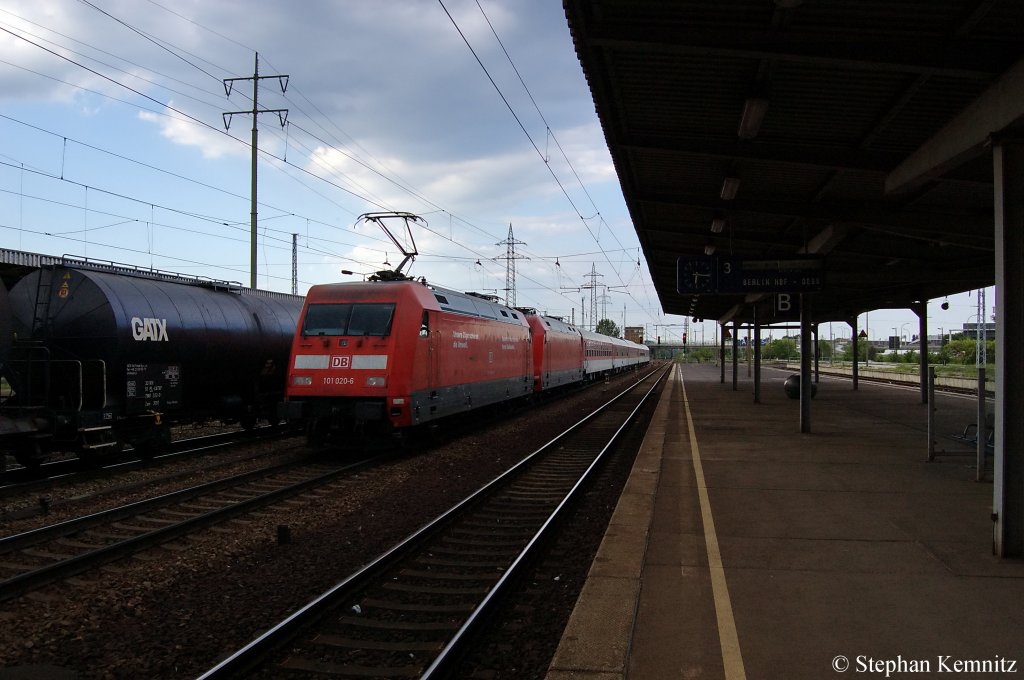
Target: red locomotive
<point>386,355</point>
<point>558,352</point>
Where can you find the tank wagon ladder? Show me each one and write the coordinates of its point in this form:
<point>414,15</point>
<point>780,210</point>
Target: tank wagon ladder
<point>90,439</point>
<point>41,315</point>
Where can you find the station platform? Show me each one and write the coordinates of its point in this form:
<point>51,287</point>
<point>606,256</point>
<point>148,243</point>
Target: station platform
<point>741,548</point>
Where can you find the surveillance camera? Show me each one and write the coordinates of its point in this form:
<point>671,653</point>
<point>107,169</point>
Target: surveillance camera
<point>945,305</point>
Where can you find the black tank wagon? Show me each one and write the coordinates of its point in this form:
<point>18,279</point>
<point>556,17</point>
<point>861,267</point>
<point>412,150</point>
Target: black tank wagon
<point>109,355</point>
<point>6,330</point>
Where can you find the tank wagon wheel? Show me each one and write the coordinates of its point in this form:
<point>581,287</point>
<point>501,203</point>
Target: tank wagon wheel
<point>154,440</point>
<point>145,449</point>
<point>29,454</point>
<point>88,458</point>
<point>248,421</point>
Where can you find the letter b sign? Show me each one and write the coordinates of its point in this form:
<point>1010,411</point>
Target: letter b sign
<point>786,304</point>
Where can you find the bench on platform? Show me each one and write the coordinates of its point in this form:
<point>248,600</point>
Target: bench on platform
<point>970,433</point>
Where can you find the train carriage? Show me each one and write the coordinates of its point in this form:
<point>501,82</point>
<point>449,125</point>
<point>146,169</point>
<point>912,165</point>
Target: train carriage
<point>605,354</point>
<point>109,354</point>
<point>384,355</point>
<point>558,352</point>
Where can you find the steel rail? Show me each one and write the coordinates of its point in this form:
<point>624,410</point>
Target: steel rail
<point>250,656</point>
<point>21,479</point>
<point>446,661</point>
<point>28,580</point>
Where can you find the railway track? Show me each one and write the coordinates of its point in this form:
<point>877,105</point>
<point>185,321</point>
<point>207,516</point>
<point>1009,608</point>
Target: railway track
<point>18,478</point>
<point>411,612</point>
<point>888,378</point>
<point>33,559</point>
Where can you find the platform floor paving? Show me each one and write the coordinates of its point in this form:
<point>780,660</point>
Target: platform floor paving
<point>742,548</point>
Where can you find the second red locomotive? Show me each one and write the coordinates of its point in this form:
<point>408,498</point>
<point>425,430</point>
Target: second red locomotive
<point>386,355</point>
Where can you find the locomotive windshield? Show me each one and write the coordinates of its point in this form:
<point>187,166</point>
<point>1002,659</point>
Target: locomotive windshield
<point>349,319</point>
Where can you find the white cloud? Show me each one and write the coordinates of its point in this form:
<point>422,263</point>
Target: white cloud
<point>392,82</point>
<point>180,130</point>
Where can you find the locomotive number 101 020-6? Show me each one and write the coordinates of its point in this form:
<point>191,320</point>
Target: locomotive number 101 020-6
<point>330,380</point>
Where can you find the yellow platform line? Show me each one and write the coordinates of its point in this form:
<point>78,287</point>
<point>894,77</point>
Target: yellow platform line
<point>732,658</point>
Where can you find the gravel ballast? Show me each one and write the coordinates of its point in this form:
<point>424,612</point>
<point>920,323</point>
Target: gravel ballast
<point>173,612</point>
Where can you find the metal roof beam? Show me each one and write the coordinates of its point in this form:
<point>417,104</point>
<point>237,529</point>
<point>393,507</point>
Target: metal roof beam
<point>837,158</point>
<point>998,107</point>
<point>861,212</point>
<point>825,240</point>
<point>960,58</point>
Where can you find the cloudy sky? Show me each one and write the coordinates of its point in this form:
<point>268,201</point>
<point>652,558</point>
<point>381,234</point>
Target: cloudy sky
<point>114,144</point>
<point>473,114</point>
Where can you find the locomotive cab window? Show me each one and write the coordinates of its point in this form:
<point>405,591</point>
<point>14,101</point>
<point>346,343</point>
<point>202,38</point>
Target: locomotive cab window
<point>371,319</point>
<point>349,319</point>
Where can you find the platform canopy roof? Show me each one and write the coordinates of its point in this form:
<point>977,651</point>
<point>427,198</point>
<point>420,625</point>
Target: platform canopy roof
<point>856,132</point>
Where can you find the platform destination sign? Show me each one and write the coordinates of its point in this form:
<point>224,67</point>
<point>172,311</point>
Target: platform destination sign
<point>702,275</point>
<point>797,274</point>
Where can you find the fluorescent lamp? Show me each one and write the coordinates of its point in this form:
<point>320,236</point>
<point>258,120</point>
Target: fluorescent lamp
<point>730,185</point>
<point>709,249</point>
<point>753,113</point>
<point>717,224</point>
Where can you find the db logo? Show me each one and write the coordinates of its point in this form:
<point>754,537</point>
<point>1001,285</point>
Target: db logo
<point>340,362</point>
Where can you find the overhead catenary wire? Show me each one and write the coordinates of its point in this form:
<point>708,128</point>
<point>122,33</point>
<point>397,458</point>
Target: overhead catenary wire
<point>148,37</point>
<point>300,174</point>
<point>522,126</point>
<point>166,106</point>
<point>540,113</point>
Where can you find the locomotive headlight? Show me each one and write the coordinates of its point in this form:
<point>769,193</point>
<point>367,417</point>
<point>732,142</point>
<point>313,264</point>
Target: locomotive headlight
<point>376,382</point>
<point>302,380</point>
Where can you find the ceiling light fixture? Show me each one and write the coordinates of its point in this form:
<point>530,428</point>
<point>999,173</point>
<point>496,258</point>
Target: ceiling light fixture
<point>753,114</point>
<point>730,185</point>
<point>709,249</point>
<point>717,225</point>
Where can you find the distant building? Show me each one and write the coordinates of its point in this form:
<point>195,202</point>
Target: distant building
<point>971,330</point>
<point>634,334</point>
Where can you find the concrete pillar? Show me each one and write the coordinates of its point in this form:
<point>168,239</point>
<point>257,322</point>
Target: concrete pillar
<point>854,341</point>
<point>921,309</point>
<point>757,358</point>
<point>817,353</point>
<point>735,353</point>
<point>721,353</point>
<point>805,362</point>
<point>1008,477</point>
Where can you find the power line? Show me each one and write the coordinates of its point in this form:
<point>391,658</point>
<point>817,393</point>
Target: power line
<point>286,165</point>
<point>154,168</point>
<point>541,113</point>
<point>547,164</point>
<point>109,79</point>
<point>149,38</point>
